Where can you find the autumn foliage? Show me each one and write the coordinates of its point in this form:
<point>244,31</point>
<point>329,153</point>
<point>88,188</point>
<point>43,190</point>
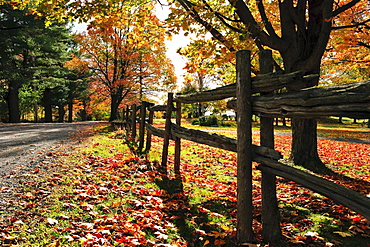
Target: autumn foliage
<point>127,55</point>
<point>113,198</point>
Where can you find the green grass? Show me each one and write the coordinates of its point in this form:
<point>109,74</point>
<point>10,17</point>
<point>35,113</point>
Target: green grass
<point>100,181</point>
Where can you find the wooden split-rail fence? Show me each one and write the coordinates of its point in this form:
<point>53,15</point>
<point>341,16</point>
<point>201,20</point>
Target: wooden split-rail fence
<point>349,100</point>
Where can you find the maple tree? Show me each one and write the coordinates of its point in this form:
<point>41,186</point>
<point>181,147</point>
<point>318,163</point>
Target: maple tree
<point>127,54</point>
<point>347,56</point>
<point>297,31</point>
<point>68,11</point>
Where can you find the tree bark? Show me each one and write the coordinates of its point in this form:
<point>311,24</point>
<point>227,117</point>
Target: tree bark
<point>304,145</point>
<point>13,102</point>
<point>70,112</point>
<point>115,101</point>
<point>61,113</point>
<point>47,105</point>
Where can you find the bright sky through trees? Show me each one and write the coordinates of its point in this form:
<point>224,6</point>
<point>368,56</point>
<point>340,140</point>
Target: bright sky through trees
<point>178,40</point>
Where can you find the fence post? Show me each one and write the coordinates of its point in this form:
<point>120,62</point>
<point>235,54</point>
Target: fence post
<point>126,117</point>
<point>148,134</point>
<point>167,133</point>
<point>244,148</point>
<point>133,122</point>
<point>142,125</point>
<point>178,142</point>
<point>271,231</point>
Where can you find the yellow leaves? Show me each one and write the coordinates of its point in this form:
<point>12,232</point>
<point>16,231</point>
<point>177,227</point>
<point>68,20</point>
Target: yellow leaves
<point>343,234</point>
<point>216,234</point>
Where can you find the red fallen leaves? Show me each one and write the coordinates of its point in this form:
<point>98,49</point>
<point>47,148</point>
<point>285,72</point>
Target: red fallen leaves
<point>143,215</point>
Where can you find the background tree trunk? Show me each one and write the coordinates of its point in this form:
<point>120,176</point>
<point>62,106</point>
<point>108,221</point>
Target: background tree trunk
<point>61,113</point>
<point>70,111</point>
<point>13,102</point>
<point>47,106</point>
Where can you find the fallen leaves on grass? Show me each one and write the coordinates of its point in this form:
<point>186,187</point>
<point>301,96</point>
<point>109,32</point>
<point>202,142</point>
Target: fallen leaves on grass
<point>124,200</point>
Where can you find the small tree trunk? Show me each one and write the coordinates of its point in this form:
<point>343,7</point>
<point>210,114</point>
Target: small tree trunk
<point>61,113</point>
<point>35,108</point>
<point>70,112</point>
<point>47,106</point>
<point>13,103</point>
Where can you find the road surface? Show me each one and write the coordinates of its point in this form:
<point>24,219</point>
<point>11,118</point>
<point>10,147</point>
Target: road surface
<point>22,146</point>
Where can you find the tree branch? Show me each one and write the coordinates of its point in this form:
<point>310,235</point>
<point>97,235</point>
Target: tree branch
<point>353,25</point>
<point>265,20</point>
<point>322,40</point>
<point>221,18</point>
<point>189,7</point>
<point>360,43</point>
<point>248,20</point>
<point>345,7</point>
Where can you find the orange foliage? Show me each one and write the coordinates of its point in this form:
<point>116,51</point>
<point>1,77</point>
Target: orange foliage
<point>348,50</point>
<point>126,51</point>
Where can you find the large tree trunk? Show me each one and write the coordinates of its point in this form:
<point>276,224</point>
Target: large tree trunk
<point>115,101</point>
<point>13,103</point>
<point>304,145</point>
<point>304,139</point>
<point>48,106</point>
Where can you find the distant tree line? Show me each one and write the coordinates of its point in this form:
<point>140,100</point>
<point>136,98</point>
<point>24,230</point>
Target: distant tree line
<point>35,83</point>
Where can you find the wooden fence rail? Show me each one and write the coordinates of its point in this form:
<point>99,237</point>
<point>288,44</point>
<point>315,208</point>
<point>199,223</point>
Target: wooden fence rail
<point>351,100</point>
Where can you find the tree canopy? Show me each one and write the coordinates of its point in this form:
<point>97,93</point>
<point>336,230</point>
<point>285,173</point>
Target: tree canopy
<point>126,51</point>
<point>297,31</point>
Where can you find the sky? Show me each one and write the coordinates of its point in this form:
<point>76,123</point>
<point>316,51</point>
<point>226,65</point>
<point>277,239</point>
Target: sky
<point>172,45</point>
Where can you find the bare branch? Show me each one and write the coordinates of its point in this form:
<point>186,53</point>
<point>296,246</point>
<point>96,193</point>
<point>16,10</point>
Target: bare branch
<point>363,44</point>
<point>248,20</point>
<point>265,20</point>
<point>345,7</point>
<point>189,7</point>
<point>353,25</point>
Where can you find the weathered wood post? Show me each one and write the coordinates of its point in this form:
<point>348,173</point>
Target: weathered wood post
<point>133,122</point>
<point>178,142</point>
<point>244,147</point>
<point>142,125</point>
<point>271,231</point>
<point>127,116</point>
<point>149,135</point>
<point>167,133</point>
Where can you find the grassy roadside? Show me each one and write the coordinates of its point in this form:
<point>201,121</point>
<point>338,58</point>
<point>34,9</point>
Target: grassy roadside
<point>329,128</point>
<point>101,195</point>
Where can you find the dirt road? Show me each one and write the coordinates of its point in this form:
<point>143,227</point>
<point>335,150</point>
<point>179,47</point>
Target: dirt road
<point>23,146</point>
